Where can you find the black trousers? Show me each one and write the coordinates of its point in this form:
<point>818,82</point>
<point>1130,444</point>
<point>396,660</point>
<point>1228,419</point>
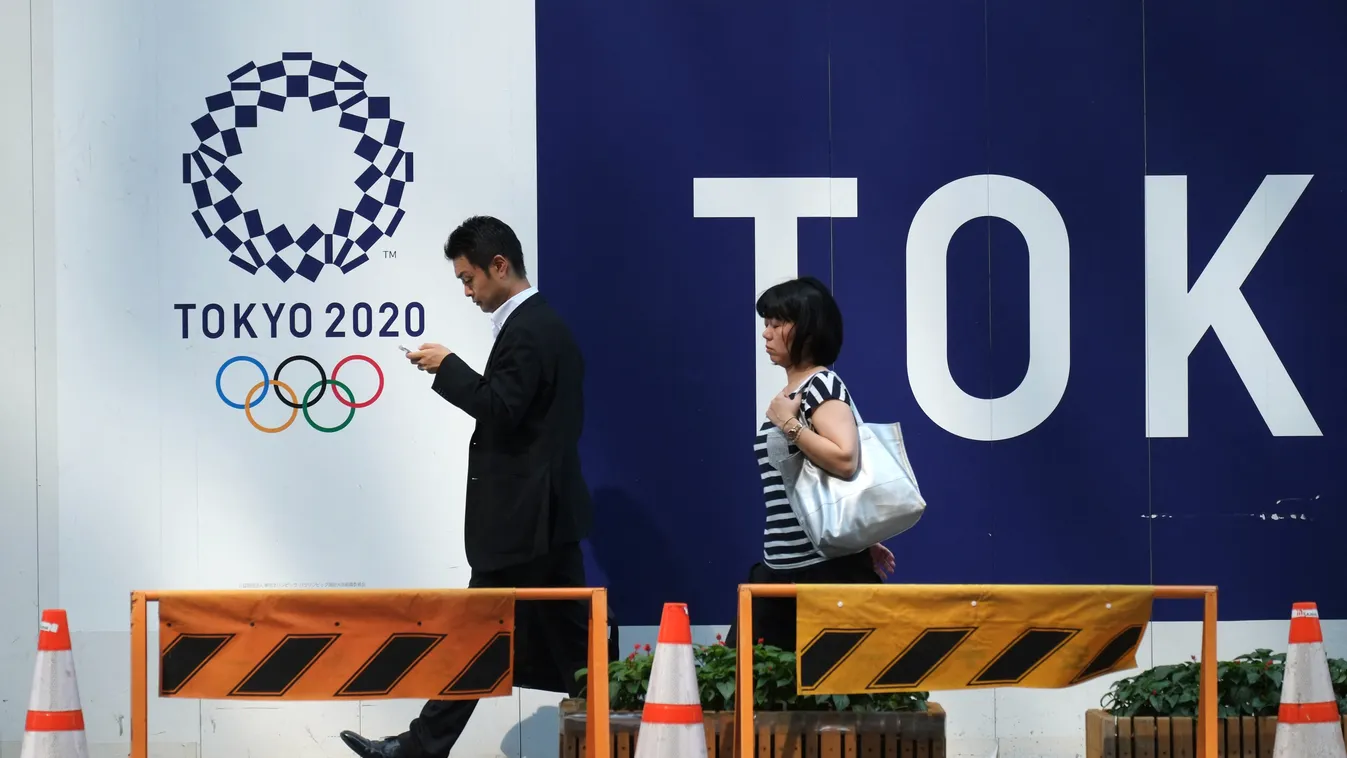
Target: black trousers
<point>550,644</point>
<point>774,618</point>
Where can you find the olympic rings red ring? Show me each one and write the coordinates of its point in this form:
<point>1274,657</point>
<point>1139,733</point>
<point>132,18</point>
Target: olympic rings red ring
<point>377,370</point>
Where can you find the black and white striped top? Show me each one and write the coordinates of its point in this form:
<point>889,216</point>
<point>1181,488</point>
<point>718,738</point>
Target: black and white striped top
<point>784,544</point>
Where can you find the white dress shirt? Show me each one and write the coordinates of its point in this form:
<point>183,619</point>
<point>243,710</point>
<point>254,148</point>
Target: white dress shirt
<point>499,315</point>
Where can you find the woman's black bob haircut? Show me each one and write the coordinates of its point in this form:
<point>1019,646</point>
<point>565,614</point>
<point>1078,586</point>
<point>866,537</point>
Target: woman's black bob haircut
<point>806,303</point>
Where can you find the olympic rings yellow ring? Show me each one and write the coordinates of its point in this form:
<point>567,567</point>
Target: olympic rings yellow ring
<point>280,385</point>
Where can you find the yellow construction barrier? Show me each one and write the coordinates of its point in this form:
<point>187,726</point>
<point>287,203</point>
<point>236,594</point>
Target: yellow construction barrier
<point>346,644</point>
<point>859,639</point>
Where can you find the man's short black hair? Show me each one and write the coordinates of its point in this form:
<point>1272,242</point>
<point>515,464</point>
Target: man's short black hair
<point>806,303</point>
<point>482,238</point>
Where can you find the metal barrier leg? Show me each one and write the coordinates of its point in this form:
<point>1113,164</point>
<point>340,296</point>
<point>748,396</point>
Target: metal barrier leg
<point>1207,702</point>
<point>596,720</point>
<point>743,690</point>
<point>140,687</point>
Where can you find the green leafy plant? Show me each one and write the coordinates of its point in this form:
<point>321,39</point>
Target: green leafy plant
<point>773,680</point>
<point>1249,685</point>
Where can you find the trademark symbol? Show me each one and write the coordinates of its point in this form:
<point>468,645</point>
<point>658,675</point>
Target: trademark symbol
<point>390,253</point>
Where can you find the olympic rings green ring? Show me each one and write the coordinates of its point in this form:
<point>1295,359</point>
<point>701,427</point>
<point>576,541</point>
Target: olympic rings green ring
<point>336,385</point>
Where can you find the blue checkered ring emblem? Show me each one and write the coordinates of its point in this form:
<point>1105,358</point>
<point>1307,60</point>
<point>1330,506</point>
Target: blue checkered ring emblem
<point>297,78</point>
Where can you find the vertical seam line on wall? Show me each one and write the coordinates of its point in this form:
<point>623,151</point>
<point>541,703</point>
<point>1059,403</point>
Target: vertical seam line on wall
<point>987,163</point>
<point>196,504</point>
<point>1150,461</point>
<point>991,355</point>
<point>32,251</point>
<point>832,246</point>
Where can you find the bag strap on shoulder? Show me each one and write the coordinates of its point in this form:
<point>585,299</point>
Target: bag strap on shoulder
<point>805,384</point>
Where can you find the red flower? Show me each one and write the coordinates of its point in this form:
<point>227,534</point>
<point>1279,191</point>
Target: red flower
<point>638,646</point>
<point>718,637</point>
<point>1193,657</point>
<point>631,657</point>
<point>647,648</point>
<point>761,641</point>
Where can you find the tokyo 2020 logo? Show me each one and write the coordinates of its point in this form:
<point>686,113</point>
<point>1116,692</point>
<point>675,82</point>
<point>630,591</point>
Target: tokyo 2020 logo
<point>295,402</point>
<point>374,209</point>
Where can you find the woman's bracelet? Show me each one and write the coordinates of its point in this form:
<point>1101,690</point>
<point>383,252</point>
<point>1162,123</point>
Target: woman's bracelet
<point>793,433</point>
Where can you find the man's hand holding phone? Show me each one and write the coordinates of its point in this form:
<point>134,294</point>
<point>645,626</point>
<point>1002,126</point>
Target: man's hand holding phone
<point>428,357</point>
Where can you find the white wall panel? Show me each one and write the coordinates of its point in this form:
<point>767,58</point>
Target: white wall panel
<point>18,413</point>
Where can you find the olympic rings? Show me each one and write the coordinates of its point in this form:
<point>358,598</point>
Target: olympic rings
<point>293,402</point>
<point>321,373</point>
<point>231,362</point>
<point>377,392</point>
<point>248,409</point>
<point>321,386</point>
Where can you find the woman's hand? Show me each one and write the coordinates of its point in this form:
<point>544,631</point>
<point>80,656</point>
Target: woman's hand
<point>784,408</point>
<point>883,560</point>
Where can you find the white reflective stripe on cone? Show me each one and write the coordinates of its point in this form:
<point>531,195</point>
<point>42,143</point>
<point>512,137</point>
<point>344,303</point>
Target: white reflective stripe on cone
<point>1309,741</point>
<point>672,740</point>
<point>54,685</point>
<point>673,677</point>
<point>54,745</point>
<point>1307,679</point>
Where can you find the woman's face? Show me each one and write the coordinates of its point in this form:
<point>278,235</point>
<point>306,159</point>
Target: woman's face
<point>777,335</point>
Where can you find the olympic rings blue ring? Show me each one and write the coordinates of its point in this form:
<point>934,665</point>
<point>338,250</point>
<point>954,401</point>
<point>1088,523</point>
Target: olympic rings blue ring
<point>246,359</point>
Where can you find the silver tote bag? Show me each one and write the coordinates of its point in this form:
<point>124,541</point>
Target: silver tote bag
<point>845,516</point>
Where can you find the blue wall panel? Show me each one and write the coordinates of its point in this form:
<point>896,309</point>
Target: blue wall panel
<point>634,100</point>
<point>1234,93</point>
<point>903,137</point>
<point>1065,105</point>
<point>1082,101</point>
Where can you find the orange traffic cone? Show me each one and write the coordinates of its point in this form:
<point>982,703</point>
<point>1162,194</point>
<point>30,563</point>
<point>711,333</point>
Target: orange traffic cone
<point>671,721</point>
<point>1308,723</point>
<point>55,727</point>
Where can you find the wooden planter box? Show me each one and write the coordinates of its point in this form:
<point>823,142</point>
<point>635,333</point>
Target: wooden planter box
<point>786,734</point>
<point>1108,736</point>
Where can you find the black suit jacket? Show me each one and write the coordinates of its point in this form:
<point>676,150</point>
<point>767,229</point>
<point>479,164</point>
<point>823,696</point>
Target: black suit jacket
<point>526,493</point>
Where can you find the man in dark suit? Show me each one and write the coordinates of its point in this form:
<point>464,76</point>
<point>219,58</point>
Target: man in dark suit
<point>527,504</point>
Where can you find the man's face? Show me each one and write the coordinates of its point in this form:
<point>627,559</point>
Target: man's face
<point>485,287</point>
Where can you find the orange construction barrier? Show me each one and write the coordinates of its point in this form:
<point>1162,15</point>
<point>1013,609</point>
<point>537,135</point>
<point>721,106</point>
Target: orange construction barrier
<point>322,645</point>
<point>346,644</point>
<point>55,725</point>
<point>1041,648</point>
<point>672,725</point>
<point>1308,722</point>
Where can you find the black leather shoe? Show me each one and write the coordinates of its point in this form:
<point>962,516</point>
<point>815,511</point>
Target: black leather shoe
<point>366,748</point>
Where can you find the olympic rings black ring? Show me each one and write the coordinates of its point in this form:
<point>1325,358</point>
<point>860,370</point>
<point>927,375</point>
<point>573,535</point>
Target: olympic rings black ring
<point>322,378</point>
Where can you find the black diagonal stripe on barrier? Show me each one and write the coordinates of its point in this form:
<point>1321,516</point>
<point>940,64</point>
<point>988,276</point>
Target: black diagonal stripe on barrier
<point>1113,652</point>
<point>284,665</point>
<point>1022,656</point>
<point>826,652</point>
<point>485,670</point>
<point>395,658</point>
<point>185,656</point>
<point>922,657</point>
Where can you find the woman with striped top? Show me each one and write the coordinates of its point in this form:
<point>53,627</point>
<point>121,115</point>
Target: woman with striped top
<point>803,335</point>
